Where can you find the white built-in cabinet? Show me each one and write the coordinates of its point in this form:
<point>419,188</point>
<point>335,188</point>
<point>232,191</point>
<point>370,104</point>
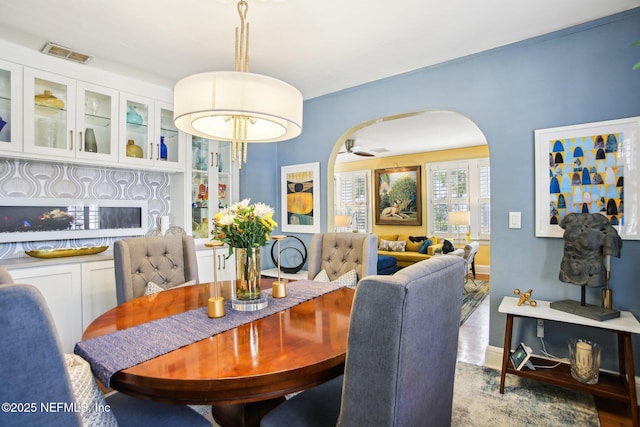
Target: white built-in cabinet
<point>213,185</point>
<point>76,293</point>
<point>144,121</point>
<point>98,290</point>
<point>225,267</point>
<point>61,286</point>
<point>10,107</point>
<point>60,111</point>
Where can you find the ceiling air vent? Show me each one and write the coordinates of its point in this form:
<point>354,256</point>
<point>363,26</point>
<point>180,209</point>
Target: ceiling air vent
<point>66,53</point>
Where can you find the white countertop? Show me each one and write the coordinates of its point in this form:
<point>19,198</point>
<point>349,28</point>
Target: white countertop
<point>625,323</point>
<point>27,261</point>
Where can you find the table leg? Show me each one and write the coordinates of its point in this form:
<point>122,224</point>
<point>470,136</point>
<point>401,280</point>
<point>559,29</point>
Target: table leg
<point>244,414</point>
<point>621,354</point>
<point>506,350</point>
<point>631,376</point>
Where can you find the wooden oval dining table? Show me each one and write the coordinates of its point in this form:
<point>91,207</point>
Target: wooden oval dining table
<point>243,372</point>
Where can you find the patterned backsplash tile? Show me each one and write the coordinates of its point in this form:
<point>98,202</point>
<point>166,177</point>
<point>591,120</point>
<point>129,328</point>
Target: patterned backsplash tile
<point>23,178</point>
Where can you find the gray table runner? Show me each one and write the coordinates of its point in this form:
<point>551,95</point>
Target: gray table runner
<point>125,348</point>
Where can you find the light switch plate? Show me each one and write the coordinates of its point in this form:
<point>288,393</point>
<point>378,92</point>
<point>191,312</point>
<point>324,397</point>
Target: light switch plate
<point>515,219</point>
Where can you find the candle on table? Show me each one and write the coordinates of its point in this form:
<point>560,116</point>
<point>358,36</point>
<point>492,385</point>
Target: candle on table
<point>279,289</point>
<point>584,361</point>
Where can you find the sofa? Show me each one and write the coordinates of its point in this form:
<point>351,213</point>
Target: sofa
<point>407,253</point>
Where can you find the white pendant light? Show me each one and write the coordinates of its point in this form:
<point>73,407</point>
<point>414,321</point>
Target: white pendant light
<point>238,106</point>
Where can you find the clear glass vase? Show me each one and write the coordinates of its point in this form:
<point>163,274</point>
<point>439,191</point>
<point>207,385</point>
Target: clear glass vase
<point>247,295</point>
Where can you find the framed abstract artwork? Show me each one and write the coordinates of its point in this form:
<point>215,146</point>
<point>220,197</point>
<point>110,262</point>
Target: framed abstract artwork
<point>300,198</point>
<point>588,168</point>
<point>398,198</point>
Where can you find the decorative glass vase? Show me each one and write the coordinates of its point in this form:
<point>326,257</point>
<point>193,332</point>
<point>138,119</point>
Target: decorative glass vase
<point>133,117</point>
<point>90,143</point>
<point>247,295</point>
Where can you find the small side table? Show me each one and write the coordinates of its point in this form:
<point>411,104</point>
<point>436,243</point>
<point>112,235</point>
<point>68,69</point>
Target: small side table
<point>610,386</point>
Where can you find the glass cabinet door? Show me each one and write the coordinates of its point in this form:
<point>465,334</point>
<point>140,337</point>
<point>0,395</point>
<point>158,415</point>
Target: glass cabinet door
<point>169,141</point>
<point>10,106</point>
<point>49,113</point>
<point>213,183</point>
<point>97,115</point>
<point>200,184</point>
<point>137,124</point>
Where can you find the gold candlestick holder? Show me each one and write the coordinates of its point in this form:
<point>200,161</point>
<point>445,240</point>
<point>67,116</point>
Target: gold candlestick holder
<point>607,294</point>
<point>216,303</point>
<point>279,287</point>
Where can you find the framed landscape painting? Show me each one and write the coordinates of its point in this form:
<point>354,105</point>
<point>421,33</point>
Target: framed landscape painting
<point>300,195</point>
<point>588,168</point>
<point>398,198</point>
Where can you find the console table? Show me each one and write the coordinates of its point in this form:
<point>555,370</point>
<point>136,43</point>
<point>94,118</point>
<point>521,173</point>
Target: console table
<point>610,386</point>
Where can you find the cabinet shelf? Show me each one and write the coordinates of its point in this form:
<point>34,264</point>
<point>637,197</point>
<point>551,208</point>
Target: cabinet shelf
<point>94,120</point>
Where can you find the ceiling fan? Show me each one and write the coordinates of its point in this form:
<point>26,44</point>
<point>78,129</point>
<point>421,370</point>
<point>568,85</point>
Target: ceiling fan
<point>349,144</point>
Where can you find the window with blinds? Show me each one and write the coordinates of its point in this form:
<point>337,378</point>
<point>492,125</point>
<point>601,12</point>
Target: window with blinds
<point>459,186</point>
<point>352,198</point>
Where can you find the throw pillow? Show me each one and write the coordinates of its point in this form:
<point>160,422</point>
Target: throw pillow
<point>349,279</point>
<point>391,237</point>
<point>322,277</point>
<point>424,248</point>
<point>417,239</point>
<point>398,246</point>
<point>87,394</point>
<point>153,288</point>
<point>385,245</point>
<point>447,247</point>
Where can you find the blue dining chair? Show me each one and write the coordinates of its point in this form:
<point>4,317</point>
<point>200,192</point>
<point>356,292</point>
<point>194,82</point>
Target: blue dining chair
<point>36,387</point>
<point>401,354</point>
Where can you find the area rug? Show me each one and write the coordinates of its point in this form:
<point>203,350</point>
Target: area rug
<point>474,294</point>
<point>477,401</point>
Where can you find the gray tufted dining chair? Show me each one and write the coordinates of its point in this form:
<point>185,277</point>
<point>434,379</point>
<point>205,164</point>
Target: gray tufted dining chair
<point>167,261</point>
<point>338,253</point>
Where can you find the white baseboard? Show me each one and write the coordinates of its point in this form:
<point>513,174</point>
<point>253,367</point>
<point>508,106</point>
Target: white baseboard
<point>483,269</point>
<point>493,360</point>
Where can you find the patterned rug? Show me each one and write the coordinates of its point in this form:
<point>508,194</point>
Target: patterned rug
<point>478,402</point>
<point>474,294</point>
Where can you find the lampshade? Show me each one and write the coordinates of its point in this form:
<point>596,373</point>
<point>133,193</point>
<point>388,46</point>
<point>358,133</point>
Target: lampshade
<point>459,218</point>
<point>204,104</point>
<point>342,220</point>
<point>238,106</point>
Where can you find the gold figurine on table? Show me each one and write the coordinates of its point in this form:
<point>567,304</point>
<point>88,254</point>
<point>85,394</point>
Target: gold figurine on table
<point>525,297</point>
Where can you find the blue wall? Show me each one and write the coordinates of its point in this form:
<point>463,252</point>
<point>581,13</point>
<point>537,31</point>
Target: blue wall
<point>579,75</point>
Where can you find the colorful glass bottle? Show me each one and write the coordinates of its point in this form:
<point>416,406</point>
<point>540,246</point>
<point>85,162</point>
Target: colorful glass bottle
<point>163,149</point>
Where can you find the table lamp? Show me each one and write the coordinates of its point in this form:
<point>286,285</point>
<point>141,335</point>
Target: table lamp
<point>342,222</point>
<point>458,219</point>
<point>216,303</point>
<point>279,288</point>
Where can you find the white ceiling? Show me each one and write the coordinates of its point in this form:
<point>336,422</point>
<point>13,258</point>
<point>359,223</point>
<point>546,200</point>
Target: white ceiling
<point>318,46</point>
<point>407,134</point>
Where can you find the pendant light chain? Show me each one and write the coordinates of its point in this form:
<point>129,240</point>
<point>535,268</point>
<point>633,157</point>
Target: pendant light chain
<point>240,123</point>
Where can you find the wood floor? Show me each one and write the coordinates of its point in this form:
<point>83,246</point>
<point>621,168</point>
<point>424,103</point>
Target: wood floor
<point>473,341</point>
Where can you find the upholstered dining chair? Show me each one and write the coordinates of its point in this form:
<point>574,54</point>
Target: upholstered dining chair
<point>43,386</point>
<point>470,250</point>
<point>5,277</point>
<point>338,253</point>
<point>167,261</point>
<point>401,354</point>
